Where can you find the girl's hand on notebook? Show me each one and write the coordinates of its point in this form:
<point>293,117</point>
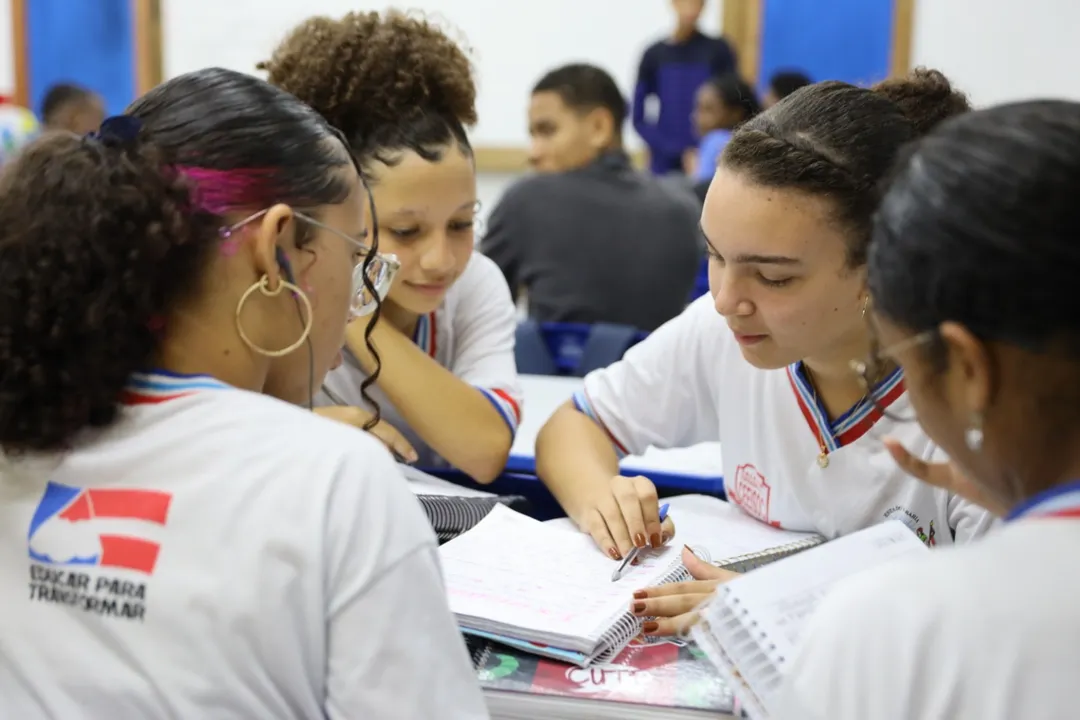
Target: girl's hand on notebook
<point>944,475</point>
<point>674,606</point>
<point>625,515</point>
<point>387,433</point>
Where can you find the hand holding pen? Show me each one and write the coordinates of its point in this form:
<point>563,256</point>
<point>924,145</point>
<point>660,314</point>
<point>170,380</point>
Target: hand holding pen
<point>623,514</point>
<point>633,554</point>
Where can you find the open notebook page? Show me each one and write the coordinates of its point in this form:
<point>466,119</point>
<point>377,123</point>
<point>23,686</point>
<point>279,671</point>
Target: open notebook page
<point>780,597</point>
<point>423,484</point>
<point>718,527</point>
<point>723,529</point>
<point>519,572</point>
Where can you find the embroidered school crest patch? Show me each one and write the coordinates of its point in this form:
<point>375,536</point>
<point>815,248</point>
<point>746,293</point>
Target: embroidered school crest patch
<point>751,492</point>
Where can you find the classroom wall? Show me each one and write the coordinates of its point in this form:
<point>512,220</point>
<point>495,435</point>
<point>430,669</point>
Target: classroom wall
<point>513,42</point>
<point>1001,50</point>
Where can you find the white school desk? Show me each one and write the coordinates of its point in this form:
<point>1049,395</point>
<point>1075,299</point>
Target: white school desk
<point>695,469</point>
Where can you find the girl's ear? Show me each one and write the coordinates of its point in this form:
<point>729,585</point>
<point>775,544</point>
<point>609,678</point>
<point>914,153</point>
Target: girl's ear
<point>276,229</point>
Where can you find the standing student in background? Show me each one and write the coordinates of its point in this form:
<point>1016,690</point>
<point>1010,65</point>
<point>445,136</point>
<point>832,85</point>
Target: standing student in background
<point>178,538</point>
<point>73,108</point>
<point>721,105</point>
<point>589,238</point>
<point>782,84</point>
<point>763,363</point>
<point>403,94</point>
<point>998,386</point>
<point>670,72</point>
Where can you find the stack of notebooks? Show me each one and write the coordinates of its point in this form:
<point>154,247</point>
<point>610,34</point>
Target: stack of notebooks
<point>553,636</point>
<point>752,627</point>
<point>452,509</point>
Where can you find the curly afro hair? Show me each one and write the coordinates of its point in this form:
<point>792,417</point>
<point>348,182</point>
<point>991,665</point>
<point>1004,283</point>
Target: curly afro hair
<point>390,82</point>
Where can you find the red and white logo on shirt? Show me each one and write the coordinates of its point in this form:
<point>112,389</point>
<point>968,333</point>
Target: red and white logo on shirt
<point>751,492</point>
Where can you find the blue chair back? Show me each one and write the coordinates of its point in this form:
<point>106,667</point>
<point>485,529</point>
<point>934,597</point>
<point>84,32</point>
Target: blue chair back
<point>531,352</point>
<point>606,344</point>
<point>571,348</point>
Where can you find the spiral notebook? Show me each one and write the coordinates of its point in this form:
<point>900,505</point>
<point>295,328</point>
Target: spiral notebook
<point>546,591</point>
<point>752,626</point>
<point>452,509</point>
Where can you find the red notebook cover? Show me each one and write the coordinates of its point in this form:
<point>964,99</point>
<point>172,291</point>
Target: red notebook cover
<point>668,674</point>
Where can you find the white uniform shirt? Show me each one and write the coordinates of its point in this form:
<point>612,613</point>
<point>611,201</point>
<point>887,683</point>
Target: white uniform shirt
<point>989,631</point>
<point>471,335</point>
<point>221,554</point>
<point>688,383</point>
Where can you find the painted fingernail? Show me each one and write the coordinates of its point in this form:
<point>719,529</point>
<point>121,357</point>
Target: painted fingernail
<point>650,627</point>
<point>639,540</point>
<point>640,594</point>
<point>655,540</point>
<point>614,553</point>
<point>639,607</point>
<point>636,561</point>
<point>665,537</point>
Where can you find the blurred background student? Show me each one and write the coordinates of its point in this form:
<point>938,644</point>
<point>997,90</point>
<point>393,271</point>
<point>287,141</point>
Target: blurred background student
<point>72,107</point>
<point>783,83</point>
<point>588,238</point>
<point>721,105</point>
<point>671,71</point>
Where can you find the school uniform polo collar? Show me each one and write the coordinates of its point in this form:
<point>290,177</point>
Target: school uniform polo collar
<point>1060,501</point>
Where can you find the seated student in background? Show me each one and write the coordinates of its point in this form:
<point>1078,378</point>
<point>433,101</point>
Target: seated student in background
<point>179,539</point>
<point>73,108</point>
<point>589,238</point>
<point>996,380</point>
<point>403,94</point>
<point>763,363</point>
<point>722,105</point>
<point>671,71</point>
<point>782,84</point>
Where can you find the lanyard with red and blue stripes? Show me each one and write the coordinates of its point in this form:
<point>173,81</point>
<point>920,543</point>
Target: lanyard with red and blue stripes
<point>1062,501</point>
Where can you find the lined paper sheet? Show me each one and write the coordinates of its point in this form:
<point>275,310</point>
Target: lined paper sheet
<point>780,597</point>
<point>514,570</point>
<point>723,529</point>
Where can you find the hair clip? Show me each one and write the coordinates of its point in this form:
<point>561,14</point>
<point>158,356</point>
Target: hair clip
<point>118,131</point>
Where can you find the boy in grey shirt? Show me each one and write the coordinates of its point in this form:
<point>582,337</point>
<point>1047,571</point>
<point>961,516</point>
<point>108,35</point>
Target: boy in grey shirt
<point>589,238</point>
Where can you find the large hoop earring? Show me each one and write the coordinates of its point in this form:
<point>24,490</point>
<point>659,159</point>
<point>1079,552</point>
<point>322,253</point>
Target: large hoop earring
<point>263,286</point>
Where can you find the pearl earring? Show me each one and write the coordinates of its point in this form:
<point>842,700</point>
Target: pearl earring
<point>973,436</point>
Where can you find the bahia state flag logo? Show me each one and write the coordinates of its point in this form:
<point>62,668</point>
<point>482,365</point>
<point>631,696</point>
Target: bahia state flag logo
<point>95,548</point>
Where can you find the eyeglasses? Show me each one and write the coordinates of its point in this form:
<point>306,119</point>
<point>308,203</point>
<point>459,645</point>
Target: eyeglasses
<point>381,269</point>
<point>872,371</point>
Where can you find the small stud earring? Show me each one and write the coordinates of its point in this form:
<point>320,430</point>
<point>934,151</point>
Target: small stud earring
<point>973,436</point>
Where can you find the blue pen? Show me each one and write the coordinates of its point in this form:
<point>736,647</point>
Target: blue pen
<point>617,575</point>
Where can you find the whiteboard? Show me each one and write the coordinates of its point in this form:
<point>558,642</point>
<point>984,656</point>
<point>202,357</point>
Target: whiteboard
<point>514,42</point>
